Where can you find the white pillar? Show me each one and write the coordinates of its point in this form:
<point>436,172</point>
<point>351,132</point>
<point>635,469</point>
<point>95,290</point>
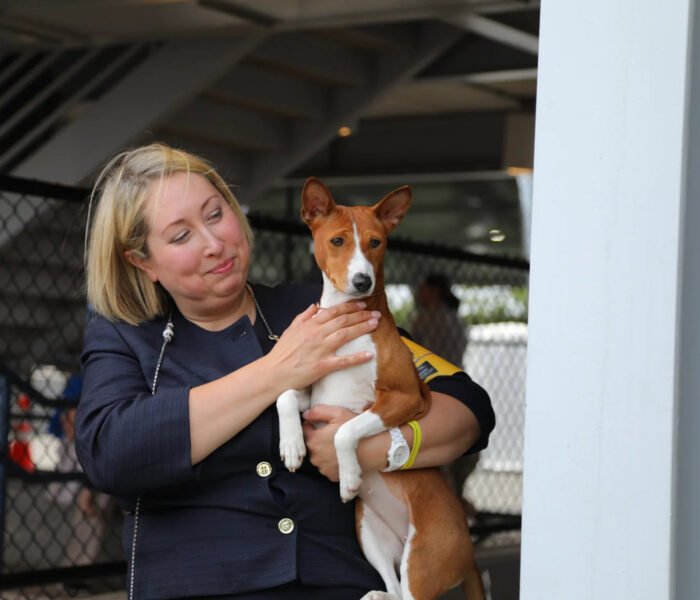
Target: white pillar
<point>611,323</point>
<point>686,556</point>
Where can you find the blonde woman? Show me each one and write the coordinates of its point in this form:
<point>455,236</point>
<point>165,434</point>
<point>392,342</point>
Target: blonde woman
<point>182,365</point>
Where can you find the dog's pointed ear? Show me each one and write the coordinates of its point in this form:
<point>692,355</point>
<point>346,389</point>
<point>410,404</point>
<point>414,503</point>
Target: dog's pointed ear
<point>393,207</point>
<point>316,200</point>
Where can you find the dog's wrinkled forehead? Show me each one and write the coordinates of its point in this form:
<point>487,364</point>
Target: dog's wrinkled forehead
<point>363,218</point>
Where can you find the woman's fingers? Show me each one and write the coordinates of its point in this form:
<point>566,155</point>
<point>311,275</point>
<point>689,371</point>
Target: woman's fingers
<point>342,334</point>
<point>328,314</point>
<point>307,348</point>
<point>307,314</point>
<point>325,413</point>
<point>334,363</point>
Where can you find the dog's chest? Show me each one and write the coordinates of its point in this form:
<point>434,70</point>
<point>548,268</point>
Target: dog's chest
<point>351,388</point>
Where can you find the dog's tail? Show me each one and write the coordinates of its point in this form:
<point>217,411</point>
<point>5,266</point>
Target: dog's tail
<point>472,585</point>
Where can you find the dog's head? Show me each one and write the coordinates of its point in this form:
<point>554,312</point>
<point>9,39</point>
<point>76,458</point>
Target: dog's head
<point>350,241</point>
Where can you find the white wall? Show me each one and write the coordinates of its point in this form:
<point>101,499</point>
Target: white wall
<point>604,300</point>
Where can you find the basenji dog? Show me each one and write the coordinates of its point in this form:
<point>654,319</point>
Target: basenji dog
<point>411,527</point>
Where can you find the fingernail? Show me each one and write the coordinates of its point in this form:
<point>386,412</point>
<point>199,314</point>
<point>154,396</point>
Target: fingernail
<point>369,355</point>
<point>361,304</point>
<point>305,414</point>
<point>376,314</point>
<point>373,322</point>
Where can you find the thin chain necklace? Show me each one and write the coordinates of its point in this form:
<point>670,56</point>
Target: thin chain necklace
<point>169,333</point>
<point>270,335</point>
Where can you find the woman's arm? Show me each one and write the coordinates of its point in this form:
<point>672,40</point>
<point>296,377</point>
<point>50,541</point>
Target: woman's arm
<point>130,442</point>
<point>449,429</point>
<point>304,353</point>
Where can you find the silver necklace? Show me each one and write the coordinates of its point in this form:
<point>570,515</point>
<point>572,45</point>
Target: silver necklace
<point>270,335</point>
<point>168,334</point>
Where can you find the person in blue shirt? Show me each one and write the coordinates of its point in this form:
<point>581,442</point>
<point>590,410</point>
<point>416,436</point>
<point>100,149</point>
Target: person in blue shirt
<point>182,365</point>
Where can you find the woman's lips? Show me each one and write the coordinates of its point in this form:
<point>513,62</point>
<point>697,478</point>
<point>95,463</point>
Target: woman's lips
<point>223,267</point>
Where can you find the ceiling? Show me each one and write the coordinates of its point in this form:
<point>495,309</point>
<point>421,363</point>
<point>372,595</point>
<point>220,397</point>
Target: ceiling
<point>439,94</point>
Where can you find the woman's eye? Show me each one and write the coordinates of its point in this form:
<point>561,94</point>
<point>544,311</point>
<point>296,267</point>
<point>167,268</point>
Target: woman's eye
<point>180,237</point>
<point>375,243</point>
<point>215,214</point>
<point>337,241</point>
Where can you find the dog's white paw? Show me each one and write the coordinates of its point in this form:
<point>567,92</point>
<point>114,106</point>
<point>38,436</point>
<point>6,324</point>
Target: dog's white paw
<point>292,451</point>
<point>350,482</point>
<point>374,595</point>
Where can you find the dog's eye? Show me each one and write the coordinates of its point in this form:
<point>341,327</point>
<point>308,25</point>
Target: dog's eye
<point>337,241</point>
<point>375,243</point>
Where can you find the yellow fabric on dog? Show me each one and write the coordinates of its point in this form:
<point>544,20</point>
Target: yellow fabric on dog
<point>429,365</point>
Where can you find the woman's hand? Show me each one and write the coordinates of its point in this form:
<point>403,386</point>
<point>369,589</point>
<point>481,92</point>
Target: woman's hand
<point>320,425</point>
<point>306,350</point>
<point>449,430</point>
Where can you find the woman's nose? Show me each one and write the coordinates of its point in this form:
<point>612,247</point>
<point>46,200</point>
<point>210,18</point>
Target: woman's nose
<point>212,244</point>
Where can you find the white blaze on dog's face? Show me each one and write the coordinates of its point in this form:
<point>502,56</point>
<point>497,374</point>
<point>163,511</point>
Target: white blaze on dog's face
<point>349,243</point>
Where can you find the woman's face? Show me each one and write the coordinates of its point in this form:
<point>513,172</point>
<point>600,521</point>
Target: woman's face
<point>197,248</point>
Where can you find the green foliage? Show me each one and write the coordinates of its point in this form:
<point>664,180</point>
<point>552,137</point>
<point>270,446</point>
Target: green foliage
<point>494,304</point>
<point>404,313</point>
<point>478,305</point>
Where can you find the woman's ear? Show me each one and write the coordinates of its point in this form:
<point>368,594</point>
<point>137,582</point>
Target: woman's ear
<point>140,263</point>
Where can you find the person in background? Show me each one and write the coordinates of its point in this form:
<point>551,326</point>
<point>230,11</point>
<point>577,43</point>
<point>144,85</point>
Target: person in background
<point>92,512</point>
<point>437,326</point>
<point>183,363</point>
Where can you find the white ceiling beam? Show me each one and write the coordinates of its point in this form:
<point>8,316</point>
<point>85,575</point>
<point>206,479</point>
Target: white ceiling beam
<point>494,7</point>
<point>497,32</point>
<point>356,14</point>
<point>506,76</point>
<point>485,77</point>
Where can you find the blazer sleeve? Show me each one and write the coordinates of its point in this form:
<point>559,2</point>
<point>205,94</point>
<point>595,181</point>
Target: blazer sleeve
<point>129,441</point>
<point>463,388</point>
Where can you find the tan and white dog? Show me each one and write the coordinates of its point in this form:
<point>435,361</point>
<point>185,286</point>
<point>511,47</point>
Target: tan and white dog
<point>410,525</point>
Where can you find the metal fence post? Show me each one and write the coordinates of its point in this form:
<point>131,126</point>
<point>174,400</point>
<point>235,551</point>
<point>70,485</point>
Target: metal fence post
<point>289,214</point>
<point>4,458</point>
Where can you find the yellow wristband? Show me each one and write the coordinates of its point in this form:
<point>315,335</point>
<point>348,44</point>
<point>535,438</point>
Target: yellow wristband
<point>417,436</point>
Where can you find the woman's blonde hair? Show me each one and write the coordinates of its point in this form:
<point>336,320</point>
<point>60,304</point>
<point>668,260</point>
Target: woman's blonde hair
<point>116,289</point>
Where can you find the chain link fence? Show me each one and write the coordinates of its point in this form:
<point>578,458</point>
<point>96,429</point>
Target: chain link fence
<point>62,539</point>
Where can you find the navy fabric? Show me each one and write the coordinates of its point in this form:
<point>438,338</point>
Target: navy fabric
<point>212,529</point>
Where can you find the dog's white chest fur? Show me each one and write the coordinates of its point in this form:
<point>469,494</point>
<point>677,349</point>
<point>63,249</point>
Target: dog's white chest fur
<point>351,388</point>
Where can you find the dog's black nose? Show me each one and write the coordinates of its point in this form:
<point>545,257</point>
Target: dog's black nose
<point>362,282</point>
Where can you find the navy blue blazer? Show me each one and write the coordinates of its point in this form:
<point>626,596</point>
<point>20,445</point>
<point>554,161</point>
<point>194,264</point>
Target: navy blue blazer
<point>221,526</point>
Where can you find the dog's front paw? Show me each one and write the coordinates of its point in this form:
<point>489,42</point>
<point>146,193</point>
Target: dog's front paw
<point>375,595</point>
<point>292,451</point>
<point>350,482</point>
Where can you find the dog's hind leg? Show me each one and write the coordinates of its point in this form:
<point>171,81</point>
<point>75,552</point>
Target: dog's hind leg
<point>292,447</point>
<point>383,550</point>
